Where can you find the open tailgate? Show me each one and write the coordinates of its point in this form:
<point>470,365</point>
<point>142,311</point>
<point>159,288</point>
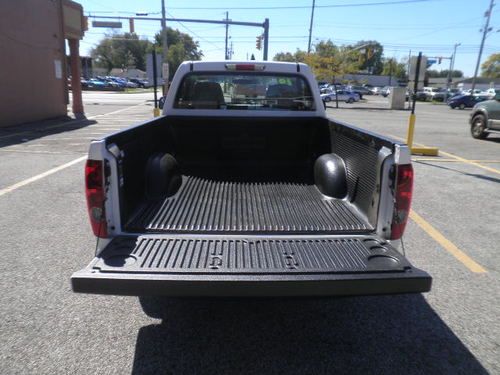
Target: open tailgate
<point>184,265</point>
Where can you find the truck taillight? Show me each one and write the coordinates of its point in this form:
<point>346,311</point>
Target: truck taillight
<point>402,204</point>
<point>94,190</point>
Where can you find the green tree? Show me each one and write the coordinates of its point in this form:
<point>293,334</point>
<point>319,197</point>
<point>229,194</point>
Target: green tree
<point>329,60</point>
<point>121,51</point>
<point>298,56</point>
<point>326,49</point>
<point>394,68</point>
<point>181,47</point>
<point>491,67</point>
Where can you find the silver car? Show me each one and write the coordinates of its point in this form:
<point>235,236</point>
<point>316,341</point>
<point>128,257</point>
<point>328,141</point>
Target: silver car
<point>343,95</point>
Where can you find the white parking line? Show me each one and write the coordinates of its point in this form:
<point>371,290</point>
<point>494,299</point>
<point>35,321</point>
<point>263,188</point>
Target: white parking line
<point>17,185</point>
<point>73,122</point>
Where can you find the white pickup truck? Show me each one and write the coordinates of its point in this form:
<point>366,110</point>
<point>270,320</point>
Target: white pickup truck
<point>244,187</point>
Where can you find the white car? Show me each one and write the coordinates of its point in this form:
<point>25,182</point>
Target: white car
<point>343,95</point>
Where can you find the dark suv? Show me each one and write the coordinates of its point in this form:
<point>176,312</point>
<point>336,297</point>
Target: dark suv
<point>485,118</point>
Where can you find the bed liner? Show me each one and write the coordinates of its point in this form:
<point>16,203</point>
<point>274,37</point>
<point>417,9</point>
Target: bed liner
<point>205,205</point>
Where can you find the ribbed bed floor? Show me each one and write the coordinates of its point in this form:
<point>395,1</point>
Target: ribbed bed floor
<point>213,206</point>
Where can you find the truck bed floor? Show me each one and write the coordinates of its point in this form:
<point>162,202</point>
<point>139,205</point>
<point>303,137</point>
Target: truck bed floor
<point>205,205</point>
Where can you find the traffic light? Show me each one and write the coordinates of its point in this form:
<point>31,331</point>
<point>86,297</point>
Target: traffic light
<point>258,42</point>
<point>131,25</point>
<point>439,60</point>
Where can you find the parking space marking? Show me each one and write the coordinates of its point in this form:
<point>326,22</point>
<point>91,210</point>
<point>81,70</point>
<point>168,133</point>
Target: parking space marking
<point>74,121</point>
<point>470,162</point>
<point>454,160</point>
<point>35,151</point>
<point>446,244</point>
<point>17,185</point>
<point>456,157</point>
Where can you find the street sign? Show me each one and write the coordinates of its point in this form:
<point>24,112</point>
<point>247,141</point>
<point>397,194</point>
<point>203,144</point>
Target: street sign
<point>149,67</point>
<point>112,25</point>
<point>413,68</point>
<point>431,62</point>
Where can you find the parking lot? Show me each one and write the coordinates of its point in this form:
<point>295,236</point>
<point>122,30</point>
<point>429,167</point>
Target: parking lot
<point>453,234</point>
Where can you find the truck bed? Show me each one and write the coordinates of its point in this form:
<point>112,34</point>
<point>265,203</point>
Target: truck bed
<point>207,205</point>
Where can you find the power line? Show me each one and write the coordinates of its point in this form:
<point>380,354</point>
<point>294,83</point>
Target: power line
<point>195,34</point>
<point>351,5</point>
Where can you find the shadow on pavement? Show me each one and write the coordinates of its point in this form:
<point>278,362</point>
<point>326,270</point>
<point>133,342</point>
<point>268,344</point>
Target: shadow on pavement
<point>14,135</point>
<point>492,138</point>
<point>363,335</point>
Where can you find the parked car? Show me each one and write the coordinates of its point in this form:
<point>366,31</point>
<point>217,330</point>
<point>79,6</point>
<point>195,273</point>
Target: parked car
<point>267,197</point>
<point>491,93</point>
<point>385,91</point>
<point>376,90</point>
<point>140,82</point>
<point>343,95</point>
<point>464,101</point>
<point>96,83</point>
<point>360,90</point>
<point>476,92</point>
<point>485,117</point>
<point>84,83</point>
<point>420,95</point>
<point>440,95</point>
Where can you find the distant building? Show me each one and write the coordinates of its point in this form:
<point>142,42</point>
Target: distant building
<point>481,83</point>
<point>441,82</point>
<point>32,44</point>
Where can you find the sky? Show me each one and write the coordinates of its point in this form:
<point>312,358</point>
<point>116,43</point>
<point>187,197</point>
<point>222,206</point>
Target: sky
<point>403,27</point>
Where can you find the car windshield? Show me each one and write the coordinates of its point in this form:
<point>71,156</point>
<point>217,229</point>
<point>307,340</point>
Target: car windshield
<point>235,90</point>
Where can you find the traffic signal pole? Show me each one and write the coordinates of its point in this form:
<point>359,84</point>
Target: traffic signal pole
<point>264,25</point>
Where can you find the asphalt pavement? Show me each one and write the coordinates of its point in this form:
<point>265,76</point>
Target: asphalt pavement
<point>47,329</point>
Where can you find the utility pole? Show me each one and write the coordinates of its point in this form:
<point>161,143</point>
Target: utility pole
<point>266,39</point>
<point>486,30</point>
<point>311,27</point>
<point>165,46</point>
<point>226,56</point>
<point>452,65</point>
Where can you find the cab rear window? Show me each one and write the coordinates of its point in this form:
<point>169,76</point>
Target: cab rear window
<point>236,91</point>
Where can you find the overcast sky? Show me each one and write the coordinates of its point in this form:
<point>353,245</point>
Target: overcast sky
<point>430,26</point>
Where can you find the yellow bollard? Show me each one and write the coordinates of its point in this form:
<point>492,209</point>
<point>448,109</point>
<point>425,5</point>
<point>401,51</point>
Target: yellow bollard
<point>411,130</point>
<point>429,151</point>
<point>156,112</point>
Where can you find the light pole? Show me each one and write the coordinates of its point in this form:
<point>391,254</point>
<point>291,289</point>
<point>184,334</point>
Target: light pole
<point>165,46</point>
<point>452,65</point>
<point>485,30</point>
<point>311,27</point>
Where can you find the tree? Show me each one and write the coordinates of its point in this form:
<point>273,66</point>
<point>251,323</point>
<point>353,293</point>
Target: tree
<point>121,51</point>
<point>394,68</point>
<point>298,56</point>
<point>181,47</point>
<point>328,60</point>
<point>326,49</point>
<point>491,67</point>
<point>127,50</point>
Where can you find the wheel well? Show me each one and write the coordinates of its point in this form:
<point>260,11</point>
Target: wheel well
<point>479,114</point>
